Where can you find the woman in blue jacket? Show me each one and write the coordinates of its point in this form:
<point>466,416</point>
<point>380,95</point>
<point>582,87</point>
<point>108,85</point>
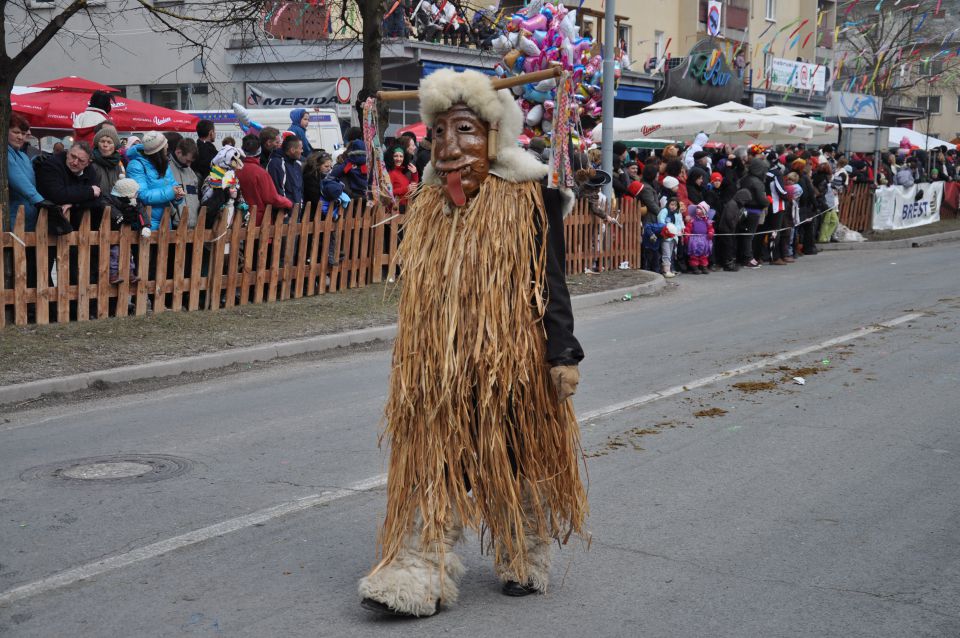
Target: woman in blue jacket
<point>23,181</point>
<point>150,167</point>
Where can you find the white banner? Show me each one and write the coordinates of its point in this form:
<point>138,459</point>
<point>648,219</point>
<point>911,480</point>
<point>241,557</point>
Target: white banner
<point>799,75</point>
<point>853,106</point>
<point>896,207</point>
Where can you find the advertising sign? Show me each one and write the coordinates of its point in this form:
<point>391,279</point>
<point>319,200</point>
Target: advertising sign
<point>705,76</point>
<point>854,106</point>
<point>896,207</point>
<point>292,95</point>
<point>799,75</point>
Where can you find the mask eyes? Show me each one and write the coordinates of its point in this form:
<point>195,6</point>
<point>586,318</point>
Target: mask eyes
<point>465,127</point>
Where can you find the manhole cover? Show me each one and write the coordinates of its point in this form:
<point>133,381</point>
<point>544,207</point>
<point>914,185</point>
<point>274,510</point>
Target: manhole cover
<point>118,468</point>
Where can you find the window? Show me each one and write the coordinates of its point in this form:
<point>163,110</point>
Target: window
<point>180,97</point>
<point>929,103</point>
<point>623,38</point>
<point>771,13</point>
<point>657,44</point>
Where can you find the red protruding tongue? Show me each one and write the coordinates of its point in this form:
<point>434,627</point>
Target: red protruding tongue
<point>455,188</point>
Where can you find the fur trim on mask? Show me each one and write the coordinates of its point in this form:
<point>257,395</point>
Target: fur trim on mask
<point>446,87</point>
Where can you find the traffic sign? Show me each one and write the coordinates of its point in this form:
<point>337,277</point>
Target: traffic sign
<point>343,90</point>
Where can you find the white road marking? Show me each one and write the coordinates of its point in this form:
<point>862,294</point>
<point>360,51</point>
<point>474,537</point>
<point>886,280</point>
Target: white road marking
<point>97,568</point>
<point>750,367</point>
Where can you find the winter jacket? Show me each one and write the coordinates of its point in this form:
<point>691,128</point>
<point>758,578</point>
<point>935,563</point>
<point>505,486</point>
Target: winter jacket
<point>206,151</point>
<point>666,217</point>
<point>651,232</point>
<point>695,192</point>
<point>84,124</point>
<point>110,169</point>
<point>259,190</point>
<point>188,179</point>
<point>698,236</point>
<point>698,143</point>
<point>904,177</point>
<point>753,182</point>
<point>125,212</point>
<point>424,148</point>
<point>352,173</point>
<point>287,175</point>
<point>295,116</point>
<point>733,211</point>
<point>156,191</point>
<point>402,184</point>
<point>330,196</point>
<point>60,185</point>
<point>648,197</point>
<point>23,188</point>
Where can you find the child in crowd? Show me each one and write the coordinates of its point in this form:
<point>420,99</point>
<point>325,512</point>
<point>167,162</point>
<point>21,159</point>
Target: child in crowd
<point>672,220</point>
<point>698,237</point>
<point>125,210</point>
<point>651,243</point>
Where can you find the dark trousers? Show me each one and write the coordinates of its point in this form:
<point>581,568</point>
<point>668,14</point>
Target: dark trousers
<point>748,226</point>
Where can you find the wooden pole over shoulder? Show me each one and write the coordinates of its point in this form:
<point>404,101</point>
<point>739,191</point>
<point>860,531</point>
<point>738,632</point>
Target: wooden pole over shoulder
<point>498,83</point>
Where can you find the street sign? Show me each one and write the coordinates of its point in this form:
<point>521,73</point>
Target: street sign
<point>343,90</point>
<point>713,18</point>
<point>344,111</point>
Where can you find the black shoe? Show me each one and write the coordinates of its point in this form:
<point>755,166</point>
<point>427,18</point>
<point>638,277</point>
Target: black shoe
<point>731,268</point>
<point>704,271</point>
<point>380,608</point>
<point>515,589</point>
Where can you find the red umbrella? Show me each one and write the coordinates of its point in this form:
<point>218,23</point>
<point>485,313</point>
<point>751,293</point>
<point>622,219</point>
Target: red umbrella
<point>419,129</point>
<point>56,110</point>
<point>74,83</point>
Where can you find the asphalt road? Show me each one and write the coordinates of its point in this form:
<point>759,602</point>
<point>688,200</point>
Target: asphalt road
<point>827,509</point>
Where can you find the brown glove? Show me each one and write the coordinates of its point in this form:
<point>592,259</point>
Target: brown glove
<point>565,380</point>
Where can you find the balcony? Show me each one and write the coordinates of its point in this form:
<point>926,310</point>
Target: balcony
<point>285,20</point>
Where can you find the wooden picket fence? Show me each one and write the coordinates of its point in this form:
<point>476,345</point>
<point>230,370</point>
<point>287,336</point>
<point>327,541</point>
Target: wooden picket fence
<point>194,269</point>
<point>856,207</point>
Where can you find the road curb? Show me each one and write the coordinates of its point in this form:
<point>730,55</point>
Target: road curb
<point>908,242</point>
<point>266,352</point>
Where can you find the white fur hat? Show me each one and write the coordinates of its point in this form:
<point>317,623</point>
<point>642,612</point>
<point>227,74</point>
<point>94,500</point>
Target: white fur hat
<point>444,88</point>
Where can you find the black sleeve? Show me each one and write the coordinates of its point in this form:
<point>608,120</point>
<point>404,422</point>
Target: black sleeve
<point>562,347</point>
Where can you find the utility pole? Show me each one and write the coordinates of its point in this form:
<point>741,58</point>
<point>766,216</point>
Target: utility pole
<point>606,141</point>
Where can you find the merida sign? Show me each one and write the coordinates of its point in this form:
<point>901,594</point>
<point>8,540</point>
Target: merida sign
<point>704,75</point>
<point>292,94</point>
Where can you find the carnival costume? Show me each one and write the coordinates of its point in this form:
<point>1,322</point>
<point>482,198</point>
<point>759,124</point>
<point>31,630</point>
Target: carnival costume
<point>482,434</point>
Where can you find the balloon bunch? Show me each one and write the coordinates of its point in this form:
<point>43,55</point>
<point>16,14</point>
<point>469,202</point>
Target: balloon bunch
<point>542,35</point>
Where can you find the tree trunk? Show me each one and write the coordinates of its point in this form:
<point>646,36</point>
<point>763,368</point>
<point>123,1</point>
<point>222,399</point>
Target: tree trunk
<point>372,12</point>
<point>6,85</point>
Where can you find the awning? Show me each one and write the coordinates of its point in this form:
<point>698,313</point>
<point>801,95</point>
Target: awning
<point>634,93</point>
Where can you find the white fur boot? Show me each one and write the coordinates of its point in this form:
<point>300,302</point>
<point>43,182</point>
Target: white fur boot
<point>533,572</point>
<point>413,584</point>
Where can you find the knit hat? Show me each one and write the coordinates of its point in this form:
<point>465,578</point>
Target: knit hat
<point>635,188</point>
<point>704,207</point>
<point>106,131</point>
<point>714,176</point>
<point>154,142</point>
<point>671,183</point>
<point>126,187</point>
<point>699,155</point>
<point>100,100</point>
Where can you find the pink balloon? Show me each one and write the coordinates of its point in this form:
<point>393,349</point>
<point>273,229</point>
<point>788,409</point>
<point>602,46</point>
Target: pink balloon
<point>536,23</point>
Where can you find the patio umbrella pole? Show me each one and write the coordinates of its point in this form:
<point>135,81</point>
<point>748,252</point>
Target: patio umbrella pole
<point>606,138</point>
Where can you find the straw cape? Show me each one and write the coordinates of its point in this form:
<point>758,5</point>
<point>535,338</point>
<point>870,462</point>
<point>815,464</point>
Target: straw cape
<point>478,437</point>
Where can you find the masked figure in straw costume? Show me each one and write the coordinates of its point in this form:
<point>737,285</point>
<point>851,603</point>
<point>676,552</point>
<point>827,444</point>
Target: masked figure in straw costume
<point>481,430</point>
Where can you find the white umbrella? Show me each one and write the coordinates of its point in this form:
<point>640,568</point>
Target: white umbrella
<point>822,132</point>
<point>782,128</point>
<point>676,123</point>
<point>673,103</point>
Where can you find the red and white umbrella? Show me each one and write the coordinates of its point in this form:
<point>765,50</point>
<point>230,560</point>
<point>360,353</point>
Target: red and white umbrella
<point>75,83</point>
<point>53,109</point>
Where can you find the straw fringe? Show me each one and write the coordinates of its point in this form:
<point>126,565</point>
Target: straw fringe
<point>471,403</point>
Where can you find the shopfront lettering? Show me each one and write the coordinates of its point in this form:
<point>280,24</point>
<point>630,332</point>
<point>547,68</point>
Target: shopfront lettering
<point>702,70</point>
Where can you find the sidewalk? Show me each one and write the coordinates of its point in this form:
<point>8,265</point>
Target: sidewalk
<point>942,231</point>
<point>642,283</point>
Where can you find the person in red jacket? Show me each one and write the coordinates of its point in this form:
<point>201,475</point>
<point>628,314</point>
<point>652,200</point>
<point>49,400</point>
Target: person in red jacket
<point>256,184</point>
<point>403,176</point>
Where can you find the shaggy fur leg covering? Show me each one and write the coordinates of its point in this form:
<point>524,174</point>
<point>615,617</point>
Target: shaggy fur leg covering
<point>534,568</point>
<point>414,583</point>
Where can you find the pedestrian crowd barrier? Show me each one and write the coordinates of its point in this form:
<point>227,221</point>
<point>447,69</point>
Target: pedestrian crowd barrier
<point>46,278</point>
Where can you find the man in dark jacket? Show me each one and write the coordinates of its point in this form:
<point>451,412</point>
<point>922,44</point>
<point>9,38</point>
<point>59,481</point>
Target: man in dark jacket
<point>726,226</point>
<point>206,151</point>
<point>649,195</point>
<point>752,182</point>
<point>285,169</point>
<point>69,179</point>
